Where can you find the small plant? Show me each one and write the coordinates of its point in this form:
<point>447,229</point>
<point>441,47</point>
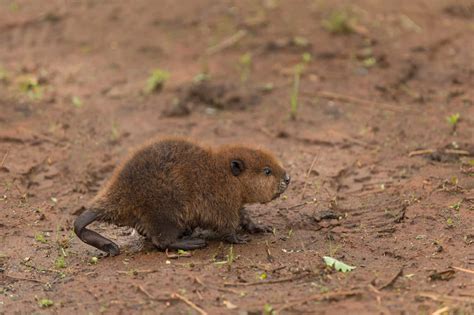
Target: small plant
<point>30,86</point>
<point>94,260</point>
<point>298,71</point>
<point>450,222</point>
<point>295,91</point>
<point>306,58</point>
<point>230,258</point>
<point>262,276</point>
<point>245,64</point>
<point>60,262</point>
<point>39,237</point>
<point>453,121</point>
<point>268,310</point>
<point>339,22</point>
<point>369,62</point>
<point>456,206</point>
<point>44,303</point>
<point>182,252</point>
<point>76,101</point>
<point>156,80</point>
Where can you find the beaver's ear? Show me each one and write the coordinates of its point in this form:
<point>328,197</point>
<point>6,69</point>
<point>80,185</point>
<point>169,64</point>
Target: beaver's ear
<point>237,167</point>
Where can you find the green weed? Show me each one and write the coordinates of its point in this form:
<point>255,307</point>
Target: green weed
<point>339,22</point>
<point>156,80</point>
<point>268,310</point>
<point>76,101</point>
<point>30,85</point>
<point>245,65</point>
<point>40,237</point>
<point>60,262</point>
<point>298,71</point>
<point>456,206</point>
<point>453,121</point>
<point>44,303</point>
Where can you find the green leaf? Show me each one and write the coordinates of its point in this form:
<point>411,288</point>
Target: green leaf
<point>156,80</point>
<point>60,262</point>
<point>338,265</point>
<point>39,237</point>
<point>45,303</point>
<point>268,309</point>
<point>453,119</point>
<point>76,101</point>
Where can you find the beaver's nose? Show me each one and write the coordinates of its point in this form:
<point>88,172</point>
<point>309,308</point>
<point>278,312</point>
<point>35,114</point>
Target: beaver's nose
<point>287,178</point>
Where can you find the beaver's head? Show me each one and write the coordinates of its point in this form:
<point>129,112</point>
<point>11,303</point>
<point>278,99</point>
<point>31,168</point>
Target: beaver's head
<point>260,175</point>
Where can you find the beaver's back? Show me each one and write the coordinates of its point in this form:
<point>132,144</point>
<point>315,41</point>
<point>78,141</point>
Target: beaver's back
<point>160,176</point>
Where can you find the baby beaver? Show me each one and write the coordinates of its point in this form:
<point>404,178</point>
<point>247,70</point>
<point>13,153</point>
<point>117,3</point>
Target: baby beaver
<point>172,186</point>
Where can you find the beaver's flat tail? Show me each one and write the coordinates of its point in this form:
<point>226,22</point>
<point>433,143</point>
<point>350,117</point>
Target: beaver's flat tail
<point>93,238</point>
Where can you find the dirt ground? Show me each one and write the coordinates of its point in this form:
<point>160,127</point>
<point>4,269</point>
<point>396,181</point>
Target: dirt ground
<point>381,180</point>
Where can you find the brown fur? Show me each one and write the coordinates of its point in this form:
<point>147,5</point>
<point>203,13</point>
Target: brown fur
<point>173,185</point>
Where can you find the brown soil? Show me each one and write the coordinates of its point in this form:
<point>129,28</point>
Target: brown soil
<point>367,100</point>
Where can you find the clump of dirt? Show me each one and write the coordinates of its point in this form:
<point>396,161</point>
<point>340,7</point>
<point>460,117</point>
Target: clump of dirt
<point>214,95</point>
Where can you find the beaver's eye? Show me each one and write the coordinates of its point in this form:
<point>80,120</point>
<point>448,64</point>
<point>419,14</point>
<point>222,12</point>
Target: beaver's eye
<point>267,171</point>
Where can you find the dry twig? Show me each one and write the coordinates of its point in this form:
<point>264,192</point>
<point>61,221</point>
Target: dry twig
<point>307,175</point>
<point>421,152</point>
<point>247,284</point>
<point>24,279</point>
<point>227,43</point>
<point>392,281</point>
<point>437,297</point>
<point>464,270</point>
<point>188,302</point>
<point>4,158</point>
<point>441,311</point>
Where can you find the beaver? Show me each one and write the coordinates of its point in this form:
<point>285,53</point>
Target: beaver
<point>171,186</point>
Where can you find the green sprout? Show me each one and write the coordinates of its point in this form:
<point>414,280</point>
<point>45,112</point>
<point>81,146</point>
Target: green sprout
<point>245,64</point>
<point>369,62</point>
<point>306,57</point>
<point>39,237</point>
<point>30,86</point>
<point>339,22</point>
<point>60,262</point>
<point>298,71</point>
<point>453,121</point>
<point>456,206</point>
<point>450,222</point>
<point>156,80</point>
<point>76,101</point>
<point>44,303</point>
<point>295,91</point>
<point>268,310</point>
